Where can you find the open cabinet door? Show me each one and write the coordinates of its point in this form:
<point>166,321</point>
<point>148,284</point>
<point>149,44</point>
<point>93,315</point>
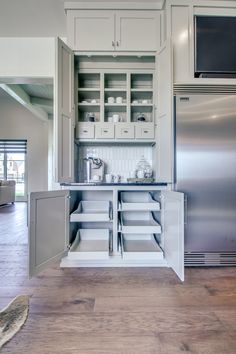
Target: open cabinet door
<point>173,221</point>
<point>64,120</point>
<point>48,228</point>
<point>165,137</point>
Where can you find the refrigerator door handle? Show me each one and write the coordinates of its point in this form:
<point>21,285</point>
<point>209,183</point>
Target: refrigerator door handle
<point>185,210</point>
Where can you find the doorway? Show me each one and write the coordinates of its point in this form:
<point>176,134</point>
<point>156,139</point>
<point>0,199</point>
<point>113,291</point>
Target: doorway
<point>13,165</point>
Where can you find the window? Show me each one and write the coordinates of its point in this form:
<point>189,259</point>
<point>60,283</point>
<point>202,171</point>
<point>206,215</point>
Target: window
<point>12,164</point>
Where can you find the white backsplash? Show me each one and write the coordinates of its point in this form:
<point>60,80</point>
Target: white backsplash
<point>119,160</point>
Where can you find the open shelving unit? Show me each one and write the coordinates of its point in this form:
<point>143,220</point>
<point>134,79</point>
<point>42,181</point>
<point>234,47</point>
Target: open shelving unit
<point>122,93</point>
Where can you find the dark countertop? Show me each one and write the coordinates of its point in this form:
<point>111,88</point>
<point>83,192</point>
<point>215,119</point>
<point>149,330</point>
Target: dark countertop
<point>113,184</point>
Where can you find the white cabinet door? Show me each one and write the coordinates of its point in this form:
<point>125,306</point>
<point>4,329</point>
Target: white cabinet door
<point>64,113</point>
<point>48,228</point>
<point>90,30</point>
<point>173,227</point>
<point>137,30</point>
<point>165,135</point>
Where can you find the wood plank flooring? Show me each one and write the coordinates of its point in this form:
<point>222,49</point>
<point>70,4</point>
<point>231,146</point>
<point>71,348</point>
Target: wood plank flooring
<point>111,311</point>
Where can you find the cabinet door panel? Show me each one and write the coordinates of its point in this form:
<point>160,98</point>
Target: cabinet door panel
<point>64,113</point>
<point>165,134</point>
<point>137,30</point>
<point>91,30</point>
<point>173,222</point>
<point>48,228</point>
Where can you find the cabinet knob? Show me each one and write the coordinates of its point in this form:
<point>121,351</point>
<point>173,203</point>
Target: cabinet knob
<point>113,44</point>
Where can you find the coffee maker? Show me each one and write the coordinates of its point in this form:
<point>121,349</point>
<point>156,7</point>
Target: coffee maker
<point>94,170</point>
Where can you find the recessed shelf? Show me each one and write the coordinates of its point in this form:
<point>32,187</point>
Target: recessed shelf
<point>142,90</point>
<point>85,89</point>
<point>115,104</point>
<point>141,104</point>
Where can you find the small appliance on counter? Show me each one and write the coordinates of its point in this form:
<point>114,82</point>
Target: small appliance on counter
<point>94,170</point>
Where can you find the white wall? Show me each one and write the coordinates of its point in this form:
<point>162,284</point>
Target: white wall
<point>18,123</point>
<point>32,18</point>
<point>27,57</point>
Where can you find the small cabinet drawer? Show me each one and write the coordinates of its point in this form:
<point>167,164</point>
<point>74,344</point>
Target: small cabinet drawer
<point>124,131</point>
<point>144,131</point>
<point>104,131</point>
<point>85,131</point>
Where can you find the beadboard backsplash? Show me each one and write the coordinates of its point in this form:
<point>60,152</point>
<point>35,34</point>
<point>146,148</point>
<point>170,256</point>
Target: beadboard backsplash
<point>119,160</point>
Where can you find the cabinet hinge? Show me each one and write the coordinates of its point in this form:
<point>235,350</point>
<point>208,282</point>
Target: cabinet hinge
<point>68,247</point>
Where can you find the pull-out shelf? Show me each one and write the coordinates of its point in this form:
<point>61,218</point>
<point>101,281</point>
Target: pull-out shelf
<point>139,222</point>
<point>90,244</point>
<point>91,211</point>
<point>138,201</point>
<point>140,246</point>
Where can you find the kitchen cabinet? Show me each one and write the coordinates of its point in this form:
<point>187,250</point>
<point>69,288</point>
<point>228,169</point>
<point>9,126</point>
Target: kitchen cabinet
<point>107,226</point>
<point>137,87</point>
<point>109,30</point>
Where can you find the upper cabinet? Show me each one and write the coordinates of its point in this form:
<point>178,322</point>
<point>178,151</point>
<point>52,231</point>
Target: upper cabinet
<point>109,30</point>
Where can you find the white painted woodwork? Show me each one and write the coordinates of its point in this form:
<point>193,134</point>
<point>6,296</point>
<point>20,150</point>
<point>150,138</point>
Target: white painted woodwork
<point>144,131</point>
<point>124,131</point>
<point>109,30</point>
<point>137,30</point>
<point>90,244</point>
<point>104,131</point>
<point>48,229</point>
<point>131,201</point>
<point>125,5</point>
<point>140,247</point>
<point>173,228</point>
<point>85,131</point>
<point>180,28</point>
<point>91,30</point>
<point>165,137</point>
<point>64,113</point>
<point>180,35</point>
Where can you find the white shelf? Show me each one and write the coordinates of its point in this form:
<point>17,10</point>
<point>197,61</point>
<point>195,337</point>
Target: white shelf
<point>141,104</point>
<point>139,222</point>
<point>138,201</point>
<point>87,89</point>
<point>90,244</point>
<point>91,211</point>
<point>140,247</point>
<point>115,104</point>
<point>118,89</point>
<point>142,89</point>
<point>89,104</point>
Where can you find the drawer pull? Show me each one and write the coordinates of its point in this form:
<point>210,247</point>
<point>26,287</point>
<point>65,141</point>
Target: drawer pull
<point>85,131</point>
<point>146,131</point>
<point>105,131</point>
<point>126,131</point>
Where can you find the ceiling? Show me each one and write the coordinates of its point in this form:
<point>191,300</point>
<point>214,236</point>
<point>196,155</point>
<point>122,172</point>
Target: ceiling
<point>38,98</point>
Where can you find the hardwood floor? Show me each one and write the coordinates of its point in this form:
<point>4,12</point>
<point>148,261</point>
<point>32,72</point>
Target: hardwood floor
<point>111,311</point>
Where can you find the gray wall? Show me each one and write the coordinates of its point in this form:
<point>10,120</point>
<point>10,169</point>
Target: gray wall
<point>18,123</point>
<point>32,18</point>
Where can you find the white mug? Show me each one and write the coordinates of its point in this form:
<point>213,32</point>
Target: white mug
<point>111,100</point>
<point>108,177</point>
<point>119,100</point>
<point>110,119</point>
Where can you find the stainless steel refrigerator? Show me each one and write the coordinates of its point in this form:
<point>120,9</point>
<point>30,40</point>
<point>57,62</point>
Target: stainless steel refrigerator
<point>205,170</point>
